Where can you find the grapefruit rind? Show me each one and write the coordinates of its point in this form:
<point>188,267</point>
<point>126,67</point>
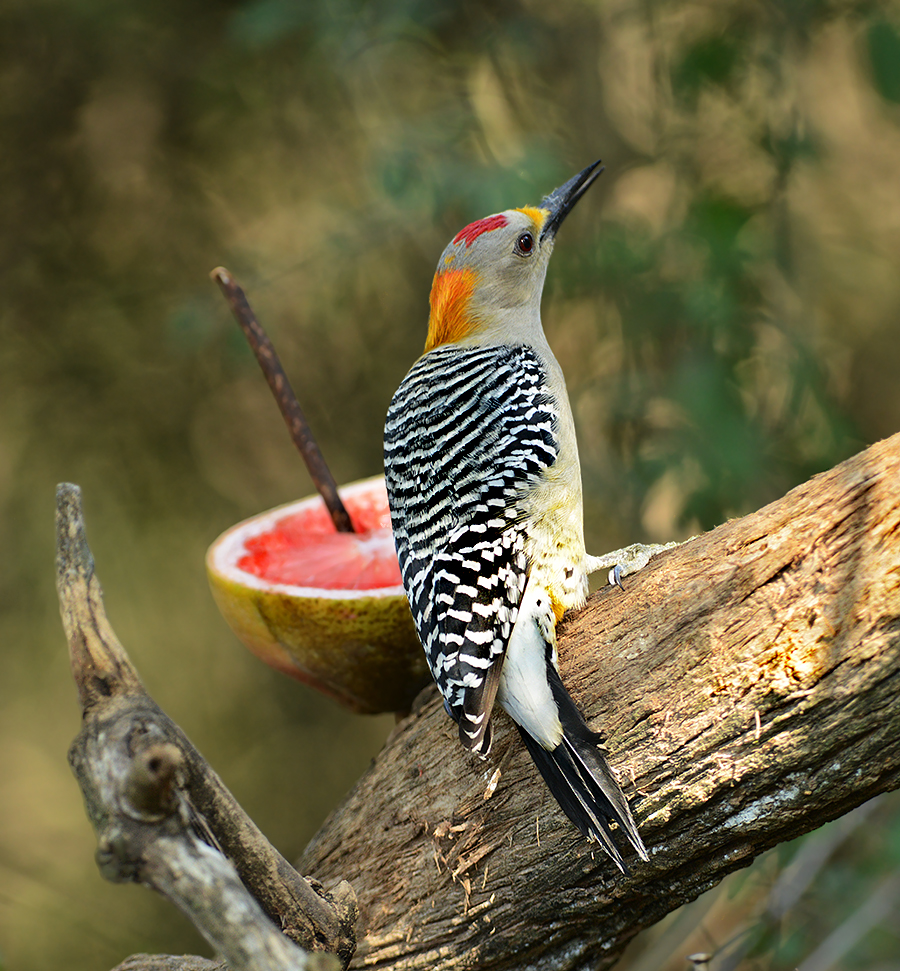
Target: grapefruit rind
<point>357,646</point>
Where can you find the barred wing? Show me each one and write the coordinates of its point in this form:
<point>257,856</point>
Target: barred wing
<point>468,432</point>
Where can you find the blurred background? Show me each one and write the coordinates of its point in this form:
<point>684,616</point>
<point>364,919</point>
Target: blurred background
<point>724,303</point>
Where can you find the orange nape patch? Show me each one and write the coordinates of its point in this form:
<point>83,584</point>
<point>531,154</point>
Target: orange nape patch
<point>538,216</point>
<point>471,232</point>
<point>450,320</point>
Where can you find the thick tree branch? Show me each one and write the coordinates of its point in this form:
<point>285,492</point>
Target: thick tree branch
<point>747,683</point>
<point>163,817</point>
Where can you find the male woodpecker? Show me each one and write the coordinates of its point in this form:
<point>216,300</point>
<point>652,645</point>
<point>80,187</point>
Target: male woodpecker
<point>484,483</point>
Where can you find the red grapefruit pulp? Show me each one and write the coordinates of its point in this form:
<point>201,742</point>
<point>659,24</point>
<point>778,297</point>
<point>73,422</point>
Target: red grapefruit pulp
<point>301,548</point>
<point>325,607</point>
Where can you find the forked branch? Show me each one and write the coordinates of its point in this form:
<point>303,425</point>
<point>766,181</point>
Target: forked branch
<point>163,817</point>
<point>747,683</point>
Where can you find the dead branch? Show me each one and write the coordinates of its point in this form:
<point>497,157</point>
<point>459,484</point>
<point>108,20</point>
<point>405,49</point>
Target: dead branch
<point>270,364</point>
<point>169,962</point>
<point>747,683</point>
<point>163,817</point>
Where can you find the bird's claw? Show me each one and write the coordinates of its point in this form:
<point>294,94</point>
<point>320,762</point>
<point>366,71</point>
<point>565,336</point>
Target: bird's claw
<point>624,562</point>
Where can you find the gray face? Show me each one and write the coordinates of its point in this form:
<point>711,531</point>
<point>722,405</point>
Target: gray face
<point>506,253</point>
<point>509,251</point>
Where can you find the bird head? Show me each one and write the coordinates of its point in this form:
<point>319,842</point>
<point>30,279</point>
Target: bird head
<point>489,280</point>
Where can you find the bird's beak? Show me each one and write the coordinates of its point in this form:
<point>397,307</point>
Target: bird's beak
<point>562,201</point>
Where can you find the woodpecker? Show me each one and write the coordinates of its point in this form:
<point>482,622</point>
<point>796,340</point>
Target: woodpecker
<point>484,482</point>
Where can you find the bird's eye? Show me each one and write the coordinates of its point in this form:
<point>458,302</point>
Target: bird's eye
<point>525,244</point>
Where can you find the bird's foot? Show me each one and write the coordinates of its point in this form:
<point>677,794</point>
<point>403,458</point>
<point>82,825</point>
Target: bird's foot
<point>624,562</point>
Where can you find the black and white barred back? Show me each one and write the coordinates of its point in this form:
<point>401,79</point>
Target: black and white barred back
<point>468,432</point>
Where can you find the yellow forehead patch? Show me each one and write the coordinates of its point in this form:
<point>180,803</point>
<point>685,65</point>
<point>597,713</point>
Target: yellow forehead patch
<point>536,215</point>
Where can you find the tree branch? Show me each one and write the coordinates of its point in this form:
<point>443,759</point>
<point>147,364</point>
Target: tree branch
<point>273,371</point>
<point>163,817</point>
<point>747,683</point>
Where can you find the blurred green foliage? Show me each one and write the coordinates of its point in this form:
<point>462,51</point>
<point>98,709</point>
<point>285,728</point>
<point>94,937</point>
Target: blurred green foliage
<point>884,52</point>
<point>724,304</point>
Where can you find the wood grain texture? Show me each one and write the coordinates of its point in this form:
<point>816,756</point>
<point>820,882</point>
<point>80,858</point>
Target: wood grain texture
<point>747,686</point>
<point>163,817</point>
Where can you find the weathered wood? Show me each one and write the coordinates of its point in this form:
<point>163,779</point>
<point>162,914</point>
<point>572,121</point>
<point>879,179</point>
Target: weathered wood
<point>163,817</point>
<point>747,683</point>
<point>169,962</point>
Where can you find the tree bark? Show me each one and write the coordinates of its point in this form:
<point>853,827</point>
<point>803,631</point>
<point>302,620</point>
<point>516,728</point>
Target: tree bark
<point>747,686</point>
<point>746,683</point>
<point>162,815</point>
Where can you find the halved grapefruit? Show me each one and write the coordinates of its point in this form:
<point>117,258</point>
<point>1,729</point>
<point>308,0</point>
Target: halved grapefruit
<point>325,607</point>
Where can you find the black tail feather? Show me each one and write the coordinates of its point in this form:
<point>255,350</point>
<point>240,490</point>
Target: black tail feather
<point>581,781</point>
<point>565,782</point>
<point>608,797</point>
